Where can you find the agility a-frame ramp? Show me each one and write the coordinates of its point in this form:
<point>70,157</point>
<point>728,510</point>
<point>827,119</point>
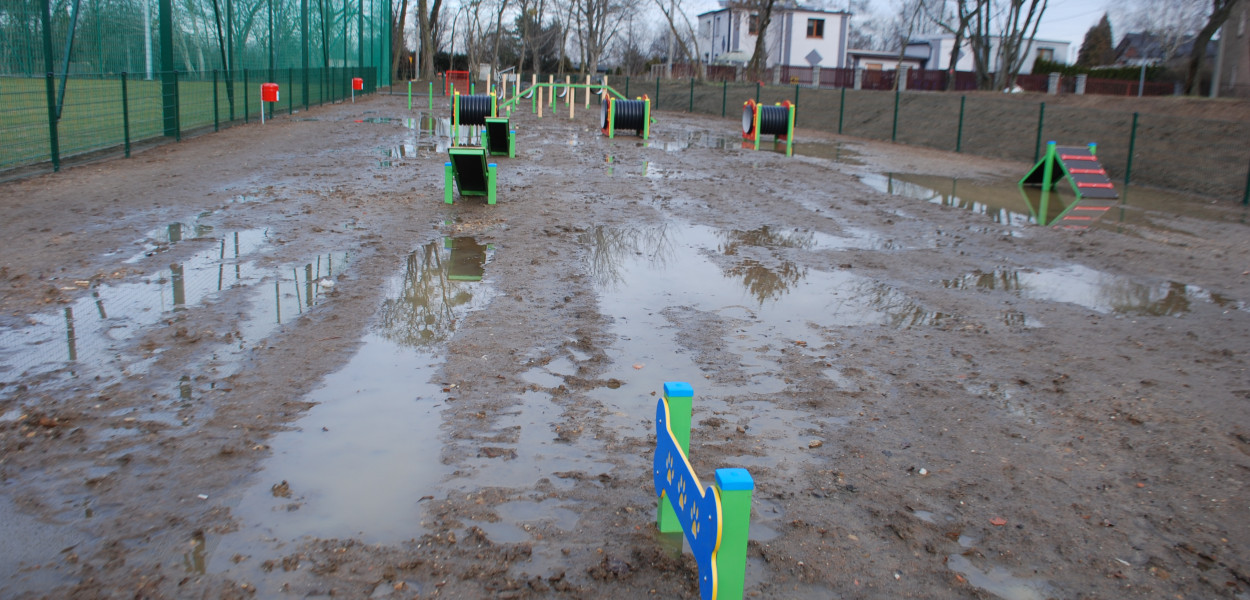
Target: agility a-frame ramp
<point>1095,194</point>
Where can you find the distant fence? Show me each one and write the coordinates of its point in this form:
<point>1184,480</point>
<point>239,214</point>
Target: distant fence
<point>917,79</point>
<point>112,112</point>
<point>1167,150</point>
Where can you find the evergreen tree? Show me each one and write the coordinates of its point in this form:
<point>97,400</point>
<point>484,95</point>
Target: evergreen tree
<point>1097,49</point>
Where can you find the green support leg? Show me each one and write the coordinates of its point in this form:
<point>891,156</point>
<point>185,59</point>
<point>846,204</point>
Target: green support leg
<point>646,119</point>
<point>756,126</point>
<point>680,398</point>
<point>736,488</point>
<point>447,183</point>
<point>1048,183</point>
<point>492,172</point>
<point>512,144</point>
<point>790,132</point>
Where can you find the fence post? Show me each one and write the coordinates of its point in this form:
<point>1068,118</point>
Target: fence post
<point>959,132</point>
<point>290,91</point>
<point>1037,145</point>
<point>894,131</point>
<point>757,91</point>
<point>55,146</point>
<point>796,95</point>
<point>246,104</point>
<point>841,110</point>
<point>1132,141</point>
<point>125,115</point>
<point>216,123</point>
<point>1080,84</point>
<point>724,95</point>
<point>177,110</point>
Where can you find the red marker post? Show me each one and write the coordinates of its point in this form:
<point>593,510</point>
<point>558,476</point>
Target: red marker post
<point>268,93</point>
<point>358,84</point>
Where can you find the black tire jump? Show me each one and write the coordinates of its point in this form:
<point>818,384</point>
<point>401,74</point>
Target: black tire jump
<point>634,115</point>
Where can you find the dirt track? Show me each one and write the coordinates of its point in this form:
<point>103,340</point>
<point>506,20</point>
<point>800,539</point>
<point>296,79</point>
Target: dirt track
<point>932,404</point>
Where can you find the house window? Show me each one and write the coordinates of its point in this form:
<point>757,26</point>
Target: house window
<point>873,66</point>
<point>753,25</point>
<point>815,28</point>
<point>1046,54</point>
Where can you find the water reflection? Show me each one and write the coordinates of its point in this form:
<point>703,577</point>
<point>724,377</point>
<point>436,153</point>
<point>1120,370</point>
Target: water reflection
<point>1001,202</point>
<point>674,263</point>
<point>837,152</point>
<point>435,289</point>
<point>1095,290</point>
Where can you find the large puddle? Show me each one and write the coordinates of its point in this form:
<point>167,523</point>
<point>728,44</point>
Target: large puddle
<point>363,460</point>
<point>1095,290</point>
<point>660,284</point>
<point>89,336</point>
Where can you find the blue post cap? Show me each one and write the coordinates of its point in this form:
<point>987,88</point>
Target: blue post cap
<point>492,165</point>
<point>678,389</point>
<point>447,164</point>
<point>734,480</point>
<point>1050,143</point>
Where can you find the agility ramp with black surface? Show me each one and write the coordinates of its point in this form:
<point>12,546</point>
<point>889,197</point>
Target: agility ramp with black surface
<point>468,169</point>
<point>1095,193</point>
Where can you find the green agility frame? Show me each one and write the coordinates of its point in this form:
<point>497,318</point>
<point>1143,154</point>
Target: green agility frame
<point>715,520</point>
<point>1094,192</point>
<point>471,174</point>
<point>499,139</point>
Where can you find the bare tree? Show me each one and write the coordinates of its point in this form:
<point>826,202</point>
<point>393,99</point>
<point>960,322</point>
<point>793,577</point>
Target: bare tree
<point>598,22</point>
<point>1170,22</point>
<point>682,39</point>
<point>1013,25</point>
<point>1220,9</point>
<point>956,19</point>
<point>427,23</point>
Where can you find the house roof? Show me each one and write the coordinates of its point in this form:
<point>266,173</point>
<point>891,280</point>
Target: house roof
<point>1151,47</point>
<point>780,8</point>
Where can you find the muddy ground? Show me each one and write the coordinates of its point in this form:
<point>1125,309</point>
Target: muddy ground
<point>932,402</point>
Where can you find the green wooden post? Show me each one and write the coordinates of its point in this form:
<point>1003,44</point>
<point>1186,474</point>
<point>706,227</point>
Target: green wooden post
<point>790,130</point>
<point>1037,146</point>
<point>724,95</point>
<point>894,131</point>
<point>1048,183</point>
<point>1132,142</point>
<point>680,398</point>
<point>410,96</point>
<point>125,114</point>
<point>959,133</point>
<point>646,119</point>
<point>736,487</point>
<point>841,110</point>
<point>492,174</point>
<point>431,95</point>
<point>447,183</point>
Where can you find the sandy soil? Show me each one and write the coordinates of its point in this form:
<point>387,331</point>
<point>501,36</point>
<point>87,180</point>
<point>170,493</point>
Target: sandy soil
<point>932,404</point>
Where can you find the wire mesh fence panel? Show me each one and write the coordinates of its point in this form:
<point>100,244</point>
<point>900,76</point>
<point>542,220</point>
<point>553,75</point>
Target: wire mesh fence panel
<point>930,120</point>
<point>24,121</point>
<point>1180,152</point>
<point>868,114</point>
<point>1000,128</point>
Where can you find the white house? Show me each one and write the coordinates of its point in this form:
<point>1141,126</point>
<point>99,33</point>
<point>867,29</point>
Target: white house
<point>797,36</point>
<point>936,52</point>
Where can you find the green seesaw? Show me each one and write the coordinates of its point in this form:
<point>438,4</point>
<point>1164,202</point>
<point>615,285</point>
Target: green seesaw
<point>714,519</point>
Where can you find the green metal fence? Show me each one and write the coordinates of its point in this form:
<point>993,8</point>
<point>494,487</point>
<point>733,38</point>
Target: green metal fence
<point>1176,152</point>
<point>113,112</point>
